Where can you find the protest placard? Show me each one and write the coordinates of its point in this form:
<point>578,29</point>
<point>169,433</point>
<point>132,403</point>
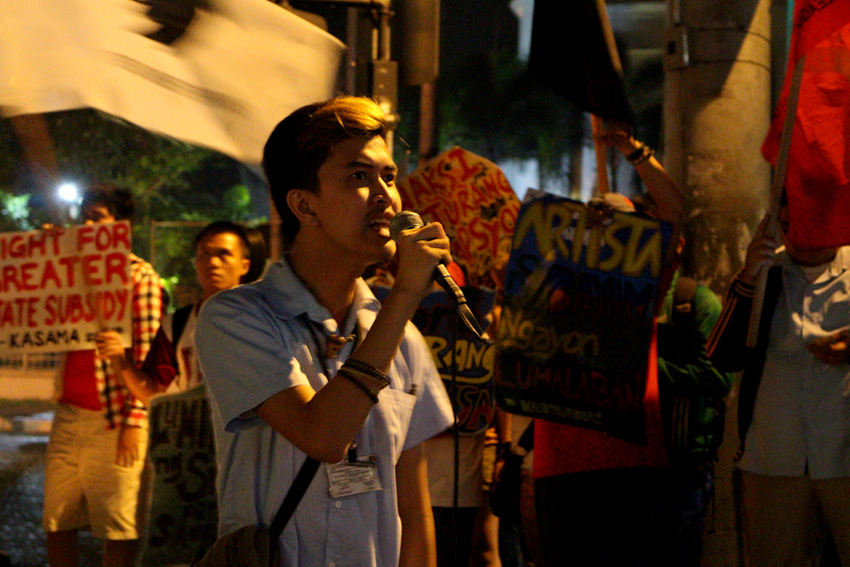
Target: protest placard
<point>184,512</point>
<point>473,392</point>
<point>473,200</point>
<point>58,288</point>
<point>577,321</point>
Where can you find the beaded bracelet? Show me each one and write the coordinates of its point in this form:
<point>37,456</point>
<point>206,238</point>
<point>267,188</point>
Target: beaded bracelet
<point>367,379</point>
<point>367,369</point>
<point>373,394</point>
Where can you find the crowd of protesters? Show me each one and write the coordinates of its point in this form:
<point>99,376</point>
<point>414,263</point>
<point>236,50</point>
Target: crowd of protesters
<point>308,374</point>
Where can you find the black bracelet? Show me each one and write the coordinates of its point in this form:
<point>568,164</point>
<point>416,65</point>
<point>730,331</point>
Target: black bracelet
<point>359,383</point>
<point>368,369</point>
<point>640,155</point>
<point>637,153</point>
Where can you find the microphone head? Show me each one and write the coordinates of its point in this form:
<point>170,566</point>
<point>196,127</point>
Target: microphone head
<point>404,220</point>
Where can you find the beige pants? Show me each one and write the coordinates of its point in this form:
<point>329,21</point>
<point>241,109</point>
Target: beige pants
<point>783,517</point>
<point>83,485</point>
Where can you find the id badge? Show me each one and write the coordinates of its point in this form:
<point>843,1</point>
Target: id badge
<point>350,477</point>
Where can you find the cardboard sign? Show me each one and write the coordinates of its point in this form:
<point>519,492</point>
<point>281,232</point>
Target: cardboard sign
<point>473,393</point>
<point>184,511</point>
<point>473,200</point>
<point>577,322</point>
<point>59,288</point>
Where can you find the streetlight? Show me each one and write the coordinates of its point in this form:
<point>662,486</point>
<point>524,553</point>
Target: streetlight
<point>68,192</point>
<point>70,195</point>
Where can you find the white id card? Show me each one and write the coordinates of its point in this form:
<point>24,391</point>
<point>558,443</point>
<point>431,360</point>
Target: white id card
<point>347,477</point>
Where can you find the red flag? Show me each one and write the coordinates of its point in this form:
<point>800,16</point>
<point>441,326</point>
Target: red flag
<point>817,180</point>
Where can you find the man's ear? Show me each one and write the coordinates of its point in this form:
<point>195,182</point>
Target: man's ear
<point>299,201</point>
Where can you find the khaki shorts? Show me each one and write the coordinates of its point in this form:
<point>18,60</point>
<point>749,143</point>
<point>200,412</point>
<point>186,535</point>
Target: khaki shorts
<point>83,486</point>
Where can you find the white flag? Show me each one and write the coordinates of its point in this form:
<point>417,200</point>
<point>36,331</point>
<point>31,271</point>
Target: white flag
<point>239,67</point>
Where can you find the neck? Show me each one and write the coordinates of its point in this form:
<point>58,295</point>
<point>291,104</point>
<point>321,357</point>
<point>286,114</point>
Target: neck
<point>811,258</point>
<point>330,280</point>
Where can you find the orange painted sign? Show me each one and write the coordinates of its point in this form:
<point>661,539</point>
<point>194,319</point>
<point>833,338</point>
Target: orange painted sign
<point>476,205</point>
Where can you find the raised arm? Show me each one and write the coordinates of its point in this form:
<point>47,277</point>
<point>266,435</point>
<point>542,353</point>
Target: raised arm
<point>726,345</point>
<point>323,423</point>
<point>667,196</point>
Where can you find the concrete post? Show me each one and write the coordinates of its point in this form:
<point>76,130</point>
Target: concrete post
<point>717,109</point>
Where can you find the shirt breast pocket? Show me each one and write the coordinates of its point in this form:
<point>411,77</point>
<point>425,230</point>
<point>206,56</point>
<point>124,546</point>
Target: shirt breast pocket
<point>391,418</point>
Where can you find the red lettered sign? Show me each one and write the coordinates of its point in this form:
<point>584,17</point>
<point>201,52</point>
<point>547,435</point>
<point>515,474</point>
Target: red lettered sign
<point>58,288</point>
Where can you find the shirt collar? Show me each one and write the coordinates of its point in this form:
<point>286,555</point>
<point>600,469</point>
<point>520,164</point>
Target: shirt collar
<point>288,297</point>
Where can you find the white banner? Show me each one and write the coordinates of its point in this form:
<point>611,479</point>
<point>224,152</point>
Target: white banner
<point>238,68</point>
<point>59,288</point>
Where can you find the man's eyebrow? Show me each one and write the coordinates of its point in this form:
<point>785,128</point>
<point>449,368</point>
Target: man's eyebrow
<point>368,164</point>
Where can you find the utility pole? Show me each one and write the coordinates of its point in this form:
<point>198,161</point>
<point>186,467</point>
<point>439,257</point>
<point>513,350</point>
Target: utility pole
<point>717,109</point>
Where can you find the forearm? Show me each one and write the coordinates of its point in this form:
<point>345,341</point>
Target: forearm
<point>666,195</point>
<point>669,200</point>
<point>142,386</point>
<point>726,345</point>
<point>418,544</point>
<point>323,423</point>
<point>504,424</point>
<point>384,337</point>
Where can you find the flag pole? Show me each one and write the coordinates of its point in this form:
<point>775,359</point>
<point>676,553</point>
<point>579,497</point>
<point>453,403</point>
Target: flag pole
<point>601,154</point>
<point>776,189</point>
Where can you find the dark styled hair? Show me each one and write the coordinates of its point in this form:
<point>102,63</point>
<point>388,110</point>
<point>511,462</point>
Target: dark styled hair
<point>302,141</point>
<point>258,253</point>
<point>117,200</point>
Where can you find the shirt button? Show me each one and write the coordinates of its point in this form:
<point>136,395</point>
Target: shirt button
<point>338,505</point>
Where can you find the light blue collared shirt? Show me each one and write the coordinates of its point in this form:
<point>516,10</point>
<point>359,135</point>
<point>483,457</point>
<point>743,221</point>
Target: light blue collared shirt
<point>255,341</point>
<point>802,410</point>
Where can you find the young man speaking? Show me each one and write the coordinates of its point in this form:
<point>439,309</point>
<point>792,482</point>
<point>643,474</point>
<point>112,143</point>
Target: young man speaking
<point>307,362</point>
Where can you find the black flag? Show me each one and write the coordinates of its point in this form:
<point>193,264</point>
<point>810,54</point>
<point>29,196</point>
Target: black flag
<point>573,53</point>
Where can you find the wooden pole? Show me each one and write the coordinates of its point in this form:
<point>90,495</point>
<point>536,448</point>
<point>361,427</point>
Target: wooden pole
<point>601,154</point>
<point>776,189</point>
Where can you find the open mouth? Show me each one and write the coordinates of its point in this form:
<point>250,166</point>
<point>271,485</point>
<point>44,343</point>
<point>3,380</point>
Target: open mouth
<point>381,225</point>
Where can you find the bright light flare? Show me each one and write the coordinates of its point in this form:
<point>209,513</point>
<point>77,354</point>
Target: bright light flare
<point>68,192</point>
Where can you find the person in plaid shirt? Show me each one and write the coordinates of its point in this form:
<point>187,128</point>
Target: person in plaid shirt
<point>96,452</point>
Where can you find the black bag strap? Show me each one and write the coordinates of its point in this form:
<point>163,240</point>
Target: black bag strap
<point>290,502</point>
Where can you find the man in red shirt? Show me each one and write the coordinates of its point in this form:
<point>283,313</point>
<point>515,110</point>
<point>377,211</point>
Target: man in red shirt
<point>98,441</point>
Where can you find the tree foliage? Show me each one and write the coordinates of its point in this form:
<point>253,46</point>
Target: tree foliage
<point>171,181</point>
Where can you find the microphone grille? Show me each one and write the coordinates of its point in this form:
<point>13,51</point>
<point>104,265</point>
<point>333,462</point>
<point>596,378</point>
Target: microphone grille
<point>404,220</point>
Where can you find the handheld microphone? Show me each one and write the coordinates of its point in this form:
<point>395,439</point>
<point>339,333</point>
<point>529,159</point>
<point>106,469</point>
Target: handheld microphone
<point>405,220</point>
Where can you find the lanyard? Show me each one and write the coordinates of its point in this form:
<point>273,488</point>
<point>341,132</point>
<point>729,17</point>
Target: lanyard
<point>334,344</point>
